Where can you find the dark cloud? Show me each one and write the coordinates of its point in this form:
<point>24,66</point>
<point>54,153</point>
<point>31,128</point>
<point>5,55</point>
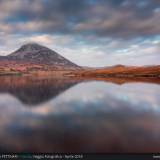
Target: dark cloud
<point>102,18</point>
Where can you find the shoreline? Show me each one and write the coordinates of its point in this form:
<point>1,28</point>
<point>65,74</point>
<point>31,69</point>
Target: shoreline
<point>80,74</point>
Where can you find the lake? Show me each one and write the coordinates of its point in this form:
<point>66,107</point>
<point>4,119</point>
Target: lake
<point>73,115</point>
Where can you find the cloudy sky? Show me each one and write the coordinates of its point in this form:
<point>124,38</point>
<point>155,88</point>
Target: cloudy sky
<point>88,32</point>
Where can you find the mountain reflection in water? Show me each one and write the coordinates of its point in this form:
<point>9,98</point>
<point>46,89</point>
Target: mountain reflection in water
<point>68,115</point>
<point>33,90</point>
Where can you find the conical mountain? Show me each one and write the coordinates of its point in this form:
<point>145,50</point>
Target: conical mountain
<point>38,54</point>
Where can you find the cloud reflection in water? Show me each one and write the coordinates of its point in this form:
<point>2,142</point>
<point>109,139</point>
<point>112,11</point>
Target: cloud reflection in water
<point>89,117</point>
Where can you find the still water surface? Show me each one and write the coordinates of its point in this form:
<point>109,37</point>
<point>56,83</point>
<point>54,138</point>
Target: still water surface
<point>63,115</point>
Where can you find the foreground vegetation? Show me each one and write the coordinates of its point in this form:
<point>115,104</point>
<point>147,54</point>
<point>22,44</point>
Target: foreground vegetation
<point>119,71</point>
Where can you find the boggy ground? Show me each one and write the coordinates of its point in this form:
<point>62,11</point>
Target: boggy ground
<point>119,71</point>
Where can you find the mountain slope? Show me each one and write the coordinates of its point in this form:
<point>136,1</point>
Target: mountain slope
<point>38,54</point>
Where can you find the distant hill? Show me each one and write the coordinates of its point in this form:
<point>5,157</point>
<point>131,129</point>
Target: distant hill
<point>35,54</point>
<point>121,71</point>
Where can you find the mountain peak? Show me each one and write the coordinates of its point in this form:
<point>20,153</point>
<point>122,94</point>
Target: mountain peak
<point>31,44</point>
<point>31,47</point>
